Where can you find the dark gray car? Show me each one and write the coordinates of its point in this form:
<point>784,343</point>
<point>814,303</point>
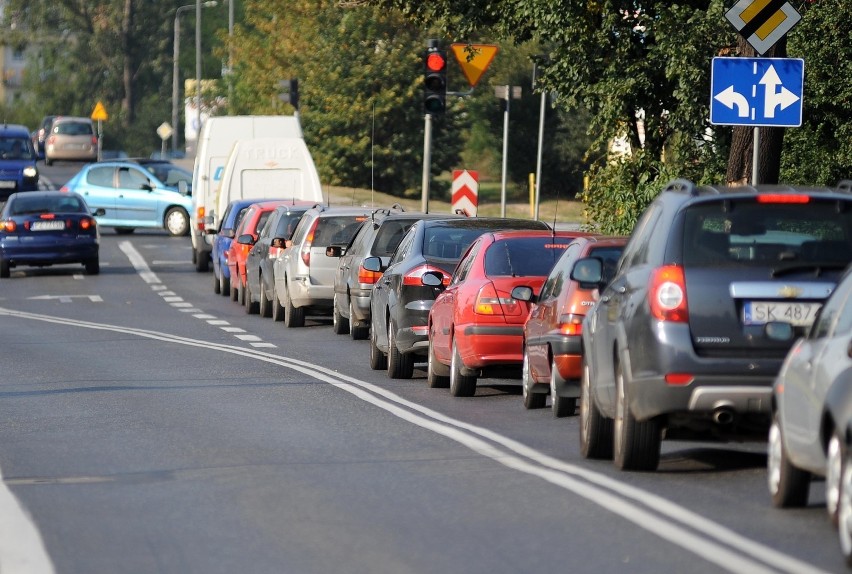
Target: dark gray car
<point>685,339</point>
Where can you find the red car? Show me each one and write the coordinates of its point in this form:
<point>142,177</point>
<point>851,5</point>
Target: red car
<point>475,327</point>
<point>244,239</point>
<point>553,331</point>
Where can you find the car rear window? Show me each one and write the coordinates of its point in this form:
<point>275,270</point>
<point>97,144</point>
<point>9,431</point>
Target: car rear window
<point>609,256</point>
<point>287,224</point>
<point>524,256</point>
<point>760,234</point>
<point>73,129</point>
<point>336,230</point>
<point>41,204</point>
<point>389,236</point>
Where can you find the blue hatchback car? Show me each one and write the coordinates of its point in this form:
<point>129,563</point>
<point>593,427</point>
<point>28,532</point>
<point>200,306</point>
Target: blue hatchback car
<point>132,196</point>
<point>17,161</point>
<point>222,242</point>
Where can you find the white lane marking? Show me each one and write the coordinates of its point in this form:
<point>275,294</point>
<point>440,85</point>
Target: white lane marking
<point>264,345</point>
<point>233,329</point>
<point>248,337</point>
<point>169,299</point>
<point>717,544</point>
<point>139,263</point>
<point>22,549</point>
<point>182,305</point>
<point>218,322</point>
<point>158,287</point>
<point>204,316</point>
<point>190,310</point>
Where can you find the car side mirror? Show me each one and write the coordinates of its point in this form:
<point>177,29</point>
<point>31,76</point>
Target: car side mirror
<point>372,264</point>
<point>246,239</point>
<point>278,242</point>
<point>333,251</point>
<point>524,293</point>
<point>432,279</point>
<point>229,233</point>
<point>99,212</point>
<point>146,187</point>
<point>778,331</point>
<point>588,272</point>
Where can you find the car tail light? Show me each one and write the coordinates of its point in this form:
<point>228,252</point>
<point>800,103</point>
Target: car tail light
<point>64,188</point>
<point>414,277</point>
<point>200,219</point>
<point>51,139</point>
<point>8,226</point>
<point>783,198</point>
<point>86,224</point>
<point>571,324</point>
<point>306,246</point>
<point>488,302</point>
<point>47,216</point>
<point>679,379</point>
<point>95,141</point>
<point>667,294</point>
<point>368,277</point>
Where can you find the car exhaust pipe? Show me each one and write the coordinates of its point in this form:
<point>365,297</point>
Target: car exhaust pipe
<point>723,416</point>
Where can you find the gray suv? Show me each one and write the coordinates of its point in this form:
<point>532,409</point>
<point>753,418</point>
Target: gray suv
<point>303,273</point>
<point>711,290</point>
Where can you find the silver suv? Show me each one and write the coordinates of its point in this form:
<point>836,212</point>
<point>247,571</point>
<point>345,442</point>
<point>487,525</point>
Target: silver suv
<point>304,274</point>
<point>711,290</point>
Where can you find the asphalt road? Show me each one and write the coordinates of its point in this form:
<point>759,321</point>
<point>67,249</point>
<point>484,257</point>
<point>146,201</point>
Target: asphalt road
<point>150,425</point>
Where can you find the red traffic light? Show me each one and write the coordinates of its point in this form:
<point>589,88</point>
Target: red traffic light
<point>436,62</point>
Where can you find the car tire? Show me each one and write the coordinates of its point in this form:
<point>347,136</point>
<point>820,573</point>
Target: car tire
<point>277,307</point>
<point>92,266</point>
<point>788,485</point>
<point>400,365</point>
<point>232,289</point>
<point>460,385</point>
<point>561,406</point>
<point>636,445</point>
<point>833,477</point>
<point>176,222</point>
<point>293,317</point>
<point>264,306</point>
<point>358,333</point>
<point>248,300</point>
<point>378,360</point>
<point>595,429</point>
<point>844,513</point>
<point>124,230</point>
<point>202,262</point>
<point>5,269</point>
<point>47,161</point>
<point>217,284</point>
<point>437,373</point>
<point>339,323</point>
<point>531,400</point>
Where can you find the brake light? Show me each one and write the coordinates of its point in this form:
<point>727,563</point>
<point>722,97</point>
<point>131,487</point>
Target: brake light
<point>368,277</point>
<point>571,324</point>
<point>64,188</point>
<point>415,276</point>
<point>200,219</point>
<point>306,246</point>
<point>783,198</point>
<point>679,379</point>
<point>51,139</point>
<point>489,302</point>
<point>87,223</point>
<point>667,294</point>
<point>47,216</point>
<point>8,226</point>
<point>94,140</point>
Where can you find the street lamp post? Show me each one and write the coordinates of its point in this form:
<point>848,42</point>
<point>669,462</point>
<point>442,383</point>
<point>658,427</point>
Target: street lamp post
<point>175,73</point>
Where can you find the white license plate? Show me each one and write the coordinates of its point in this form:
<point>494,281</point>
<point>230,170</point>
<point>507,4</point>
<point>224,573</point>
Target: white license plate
<point>47,225</point>
<point>795,313</point>
<point>7,184</point>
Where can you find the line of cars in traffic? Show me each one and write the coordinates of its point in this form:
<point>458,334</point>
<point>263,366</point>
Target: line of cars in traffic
<point>682,331</point>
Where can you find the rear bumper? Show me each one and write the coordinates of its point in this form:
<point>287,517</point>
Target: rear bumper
<point>483,346</point>
<point>49,253</point>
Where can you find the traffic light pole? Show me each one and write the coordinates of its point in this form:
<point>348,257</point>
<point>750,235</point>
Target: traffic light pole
<point>427,163</point>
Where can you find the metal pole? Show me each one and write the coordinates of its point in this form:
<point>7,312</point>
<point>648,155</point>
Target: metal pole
<point>175,91</point>
<point>427,163</point>
<point>231,55</point>
<point>755,158</point>
<point>538,157</point>
<point>505,152</point>
<point>198,69</point>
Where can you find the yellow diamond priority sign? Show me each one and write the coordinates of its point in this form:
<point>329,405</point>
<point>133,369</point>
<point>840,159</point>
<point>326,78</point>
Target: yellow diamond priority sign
<point>474,59</point>
<point>763,22</point>
<point>100,113</point>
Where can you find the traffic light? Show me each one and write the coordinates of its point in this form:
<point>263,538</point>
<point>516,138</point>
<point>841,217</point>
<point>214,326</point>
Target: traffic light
<point>435,81</point>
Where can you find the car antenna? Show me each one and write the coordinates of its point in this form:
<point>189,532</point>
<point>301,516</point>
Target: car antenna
<point>555,211</point>
<point>373,159</point>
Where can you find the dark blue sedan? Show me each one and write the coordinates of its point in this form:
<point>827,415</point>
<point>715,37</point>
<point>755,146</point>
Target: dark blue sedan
<point>42,228</point>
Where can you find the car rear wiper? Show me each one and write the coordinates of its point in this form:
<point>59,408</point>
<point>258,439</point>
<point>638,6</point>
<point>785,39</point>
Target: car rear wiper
<point>817,268</point>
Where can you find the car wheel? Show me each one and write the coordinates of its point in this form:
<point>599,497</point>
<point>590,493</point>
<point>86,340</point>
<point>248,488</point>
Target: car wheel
<point>217,284</point>
<point>264,307</point>
<point>358,333</point>
<point>248,300</point>
<point>48,161</point>
<point>844,513</point>
<point>177,222</point>
<point>93,266</point>
<point>636,445</point>
<point>561,406</point>
<point>277,307</point>
<point>833,476</point>
<point>339,324</point>
<point>124,230</point>
<point>788,485</point>
<point>460,385</point>
<point>202,262</point>
<point>436,372</point>
<point>241,292</point>
<point>232,289</point>
<point>5,269</point>
<point>293,317</point>
<point>400,365</point>
<point>378,360</point>
<point>531,400</point>
<point>595,429</point>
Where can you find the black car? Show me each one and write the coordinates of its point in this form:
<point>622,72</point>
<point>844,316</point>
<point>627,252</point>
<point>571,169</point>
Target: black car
<point>353,285</point>
<point>686,340</point>
<point>259,263</point>
<point>400,303</point>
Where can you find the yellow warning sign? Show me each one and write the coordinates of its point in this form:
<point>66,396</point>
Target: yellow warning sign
<point>474,59</point>
<point>763,22</point>
<point>100,113</point>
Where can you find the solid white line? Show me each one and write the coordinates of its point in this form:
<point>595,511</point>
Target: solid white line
<point>22,549</point>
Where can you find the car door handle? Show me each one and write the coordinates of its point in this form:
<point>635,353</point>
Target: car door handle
<point>605,299</point>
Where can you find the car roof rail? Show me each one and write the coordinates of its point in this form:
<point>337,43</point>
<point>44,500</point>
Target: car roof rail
<point>681,185</point>
<point>396,207</point>
<point>844,185</point>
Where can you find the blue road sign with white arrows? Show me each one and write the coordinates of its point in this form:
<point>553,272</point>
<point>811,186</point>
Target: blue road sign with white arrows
<point>757,91</point>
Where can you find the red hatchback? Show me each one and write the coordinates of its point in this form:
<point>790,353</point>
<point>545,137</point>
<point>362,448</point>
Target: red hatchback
<point>553,331</point>
<point>244,239</point>
<point>475,327</point>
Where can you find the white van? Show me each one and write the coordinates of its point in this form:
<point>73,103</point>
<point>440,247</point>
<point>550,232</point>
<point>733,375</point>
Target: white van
<point>269,168</point>
<point>215,143</point>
